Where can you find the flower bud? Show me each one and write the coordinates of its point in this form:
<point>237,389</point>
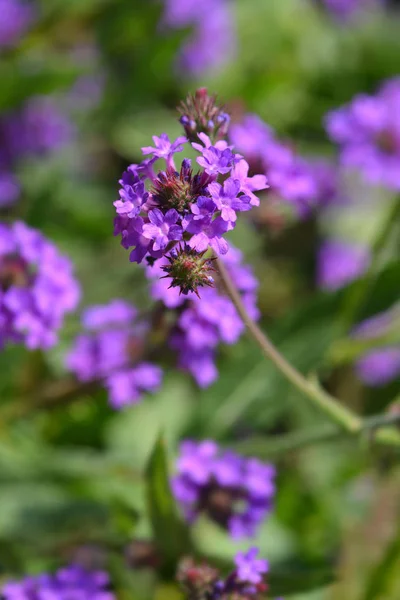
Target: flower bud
<point>201,114</point>
<point>188,269</point>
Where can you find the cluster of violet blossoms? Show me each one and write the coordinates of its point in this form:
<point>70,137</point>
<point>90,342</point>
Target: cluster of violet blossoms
<point>379,366</point>
<point>244,582</point>
<point>211,43</point>
<point>16,18</point>
<point>37,287</point>
<point>339,263</point>
<point>178,214</point>
<point>203,323</point>
<point>36,129</point>
<point>67,583</point>
<point>368,134</point>
<point>293,180</point>
<point>112,349</point>
<point>233,491</point>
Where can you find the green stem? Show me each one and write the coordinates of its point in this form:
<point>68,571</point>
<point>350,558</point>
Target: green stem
<point>359,294</point>
<point>317,396</point>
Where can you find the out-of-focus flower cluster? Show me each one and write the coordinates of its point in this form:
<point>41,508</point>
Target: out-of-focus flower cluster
<point>37,287</point>
<point>345,10</point>
<point>112,349</point>
<point>368,134</point>
<point>233,491</point>
<point>203,323</point>
<point>381,365</point>
<point>244,582</point>
<point>67,583</point>
<point>296,182</point>
<point>179,214</point>
<point>212,41</point>
<point>39,127</point>
<point>340,263</point>
<point>16,18</point>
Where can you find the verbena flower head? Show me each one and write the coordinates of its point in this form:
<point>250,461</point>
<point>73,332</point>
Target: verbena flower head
<point>112,349</point>
<point>67,583</point>
<point>339,263</point>
<point>368,134</point>
<point>37,287</point>
<point>16,18</point>
<point>378,367</point>
<point>244,582</point>
<point>290,177</point>
<point>234,492</point>
<point>212,41</point>
<point>200,113</point>
<point>176,210</point>
<point>202,323</point>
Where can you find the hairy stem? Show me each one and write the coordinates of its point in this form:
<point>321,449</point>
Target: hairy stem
<point>317,396</point>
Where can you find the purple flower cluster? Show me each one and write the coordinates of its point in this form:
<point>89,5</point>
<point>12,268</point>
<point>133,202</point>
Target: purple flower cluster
<point>343,10</point>
<point>291,178</point>
<point>112,349</point>
<point>39,127</point>
<point>378,367</point>
<point>243,583</point>
<point>368,133</point>
<point>202,324</point>
<point>37,287</point>
<point>233,491</point>
<point>212,41</point>
<point>16,18</point>
<point>67,583</point>
<point>339,263</point>
<point>158,211</point>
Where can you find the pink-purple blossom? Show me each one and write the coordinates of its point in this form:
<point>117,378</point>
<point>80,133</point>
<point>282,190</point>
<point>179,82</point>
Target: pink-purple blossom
<point>339,263</point>
<point>17,17</point>
<point>249,568</point>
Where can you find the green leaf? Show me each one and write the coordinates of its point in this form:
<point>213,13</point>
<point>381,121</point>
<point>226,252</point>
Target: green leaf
<point>288,579</point>
<point>170,533</point>
<point>385,574</point>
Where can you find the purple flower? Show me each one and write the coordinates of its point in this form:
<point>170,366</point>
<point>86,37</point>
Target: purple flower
<point>340,263</point>
<point>248,185</point>
<point>212,42</point>
<point>368,133</point>
<point>235,492</point>
<point>37,287</point>
<point>210,235</point>
<point>378,367</point>
<point>16,18</point>
<point>216,160</point>
<point>112,349</point>
<point>226,198</point>
<point>69,582</point>
<point>162,228</point>
<point>249,569</point>
<point>132,198</point>
<point>163,147</point>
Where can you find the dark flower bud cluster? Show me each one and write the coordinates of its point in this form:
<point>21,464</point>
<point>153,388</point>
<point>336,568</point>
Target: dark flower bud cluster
<point>200,113</point>
<point>188,269</point>
<point>112,349</point>
<point>233,491</point>
<point>203,582</point>
<point>172,208</point>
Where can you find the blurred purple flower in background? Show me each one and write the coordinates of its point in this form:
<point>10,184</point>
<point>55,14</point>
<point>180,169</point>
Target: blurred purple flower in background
<point>249,568</point>
<point>67,583</point>
<point>16,16</point>
<point>205,323</point>
<point>340,263</point>
<point>368,134</point>
<point>378,367</point>
<point>290,177</point>
<point>235,492</point>
<point>37,287</point>
<point>212,41</point>
<point>112,349</point>
<point>344,10</point>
